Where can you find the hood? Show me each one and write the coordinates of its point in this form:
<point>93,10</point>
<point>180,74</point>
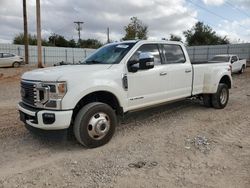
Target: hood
<point>55,73</point>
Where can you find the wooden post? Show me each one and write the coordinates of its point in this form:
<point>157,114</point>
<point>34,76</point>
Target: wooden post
<point>39,37</point>
<point>25,32</point>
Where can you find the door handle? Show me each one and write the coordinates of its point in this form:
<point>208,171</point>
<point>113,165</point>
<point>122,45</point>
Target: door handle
<point>187,70</point>
<point>163,73</point>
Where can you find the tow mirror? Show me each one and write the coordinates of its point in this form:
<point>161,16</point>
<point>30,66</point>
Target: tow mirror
<point>146,61</point>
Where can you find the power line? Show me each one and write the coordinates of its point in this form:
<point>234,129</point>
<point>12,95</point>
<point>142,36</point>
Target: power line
<point>239,10</point>
<point>211,12</point>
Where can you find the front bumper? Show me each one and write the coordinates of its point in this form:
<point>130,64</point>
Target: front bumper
<point>45,119</point>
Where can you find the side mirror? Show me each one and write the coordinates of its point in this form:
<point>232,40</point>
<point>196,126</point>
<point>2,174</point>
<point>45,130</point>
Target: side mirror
<point>146,61</point>
<point>143,62</point>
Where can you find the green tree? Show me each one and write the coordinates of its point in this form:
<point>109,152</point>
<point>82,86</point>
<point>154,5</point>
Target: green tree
<point>72,43</point>
<point>201,34</point>
<point>174,37</point>
<point>90,43</point>
<point>19,39</point>
<point>58,40</point>
<point>135,30</point>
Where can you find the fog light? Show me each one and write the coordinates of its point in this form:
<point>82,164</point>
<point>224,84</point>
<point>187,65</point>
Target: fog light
<point>48,118</point>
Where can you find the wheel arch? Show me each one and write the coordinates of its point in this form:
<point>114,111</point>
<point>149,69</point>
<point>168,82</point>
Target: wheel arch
<point>99,96</point>
<point>226,80</point>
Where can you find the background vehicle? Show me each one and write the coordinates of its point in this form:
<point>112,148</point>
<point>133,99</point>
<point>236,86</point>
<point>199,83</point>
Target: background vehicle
<point>118,78</point>
<point>10,60</point>
<point>238,65</point>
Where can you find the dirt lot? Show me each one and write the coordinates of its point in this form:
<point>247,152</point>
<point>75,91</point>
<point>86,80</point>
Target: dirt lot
<point>179,145</point>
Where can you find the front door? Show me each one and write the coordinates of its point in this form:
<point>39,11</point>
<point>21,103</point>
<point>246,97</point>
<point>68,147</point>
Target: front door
<point>144,86</point>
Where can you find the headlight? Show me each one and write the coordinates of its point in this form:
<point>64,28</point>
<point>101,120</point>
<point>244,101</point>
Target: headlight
<point>56,90</point>
<point>50,94</point>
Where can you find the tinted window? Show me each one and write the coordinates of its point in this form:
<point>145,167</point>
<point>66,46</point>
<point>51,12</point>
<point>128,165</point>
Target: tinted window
<point>5,55</point>
<point>220,58</point>
<point>174,54</point>
<point>234,58</point>
<point>150,48</point>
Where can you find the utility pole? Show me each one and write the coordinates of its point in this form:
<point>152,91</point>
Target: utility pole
<point>79,28</point>
<point>25,32</point>
<point>108,39</point>
<point>39,37</point>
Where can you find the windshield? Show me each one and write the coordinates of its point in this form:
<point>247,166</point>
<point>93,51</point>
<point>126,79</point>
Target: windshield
<point>220,58</point>
<point>109,54</point>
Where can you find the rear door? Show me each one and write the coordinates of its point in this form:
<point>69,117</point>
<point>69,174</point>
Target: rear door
<point>178,82</point>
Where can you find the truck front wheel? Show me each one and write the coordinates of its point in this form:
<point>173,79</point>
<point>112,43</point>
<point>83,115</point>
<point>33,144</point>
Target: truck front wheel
<point>95,124</point>
<point>220,98</point>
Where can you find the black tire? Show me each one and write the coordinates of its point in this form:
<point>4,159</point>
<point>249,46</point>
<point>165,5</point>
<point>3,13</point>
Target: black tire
<point>242,69</point>
<point>82,127</point>
<point>16,64</point>
<point>207,100</point>
<point>220,98</point>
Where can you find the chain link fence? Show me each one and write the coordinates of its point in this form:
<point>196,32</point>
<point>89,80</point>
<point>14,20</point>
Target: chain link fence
<point>204,53</point>
<point>50,55</point>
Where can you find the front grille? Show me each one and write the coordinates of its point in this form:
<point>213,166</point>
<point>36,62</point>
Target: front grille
<point>28,93</point>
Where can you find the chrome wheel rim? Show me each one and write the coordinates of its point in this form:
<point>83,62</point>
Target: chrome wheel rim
<point>223,96</point>
<point>98,126</point>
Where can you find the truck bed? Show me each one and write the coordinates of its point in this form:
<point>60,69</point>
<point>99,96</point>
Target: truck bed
<point>205,75</point>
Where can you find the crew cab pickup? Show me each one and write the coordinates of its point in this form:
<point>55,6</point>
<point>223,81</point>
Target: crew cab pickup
<point>238,65</point>
<point>118,78</point>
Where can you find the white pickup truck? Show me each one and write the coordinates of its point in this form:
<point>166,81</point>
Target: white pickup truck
<point>117,78</point>
<point>238,65</point>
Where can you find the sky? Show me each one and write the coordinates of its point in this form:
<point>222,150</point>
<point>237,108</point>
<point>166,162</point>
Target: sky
<point>229,18</point>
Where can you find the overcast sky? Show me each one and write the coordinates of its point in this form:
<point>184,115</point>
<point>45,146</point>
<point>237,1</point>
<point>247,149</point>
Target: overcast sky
<point>163,17</point>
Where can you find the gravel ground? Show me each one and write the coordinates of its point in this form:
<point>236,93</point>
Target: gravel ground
<point>178,145</point>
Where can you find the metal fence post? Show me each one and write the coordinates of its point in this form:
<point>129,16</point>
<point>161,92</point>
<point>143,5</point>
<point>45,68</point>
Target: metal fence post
<point>73,55</point>
<point>18,51</point>
<point>66,55</point>
<point>227,49</point>
<point>85,53</point>
<point>207,52</point>
<point>194,54</point>
<point>44,56</point>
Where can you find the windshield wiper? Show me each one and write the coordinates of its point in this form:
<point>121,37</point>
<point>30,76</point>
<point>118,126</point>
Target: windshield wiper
<point>93,62</point>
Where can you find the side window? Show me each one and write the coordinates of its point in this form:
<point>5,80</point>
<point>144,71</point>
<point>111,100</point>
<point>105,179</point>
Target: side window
<point>5,55</point>
<point>235,58</point>
<point>151,48</point>
<point>173,54</point>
